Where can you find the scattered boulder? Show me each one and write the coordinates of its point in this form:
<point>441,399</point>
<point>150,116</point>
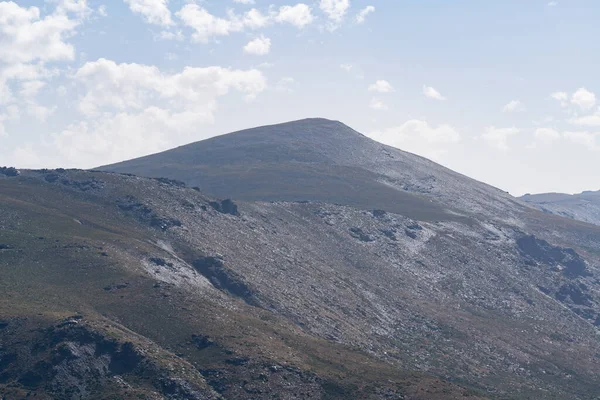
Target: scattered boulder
<point>415,227</point>
<point>237,361</point>
<point>390,234</point>
<point>202,342</point>
<point>130,203</point>
<point>51,178</point>
<point>161,262</point>
<point>83,185</point>
<point>164,223</point>
<point>144,213</point>
<point>226,206</point>
<point>114,287</point>
<point>378,213</point>
<point>575,292</point>
<point>411,234</point>
<point>359,234</point>
<point>171,182</point>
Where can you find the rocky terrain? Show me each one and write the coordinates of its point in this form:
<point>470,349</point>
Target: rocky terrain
<point>583,206</point>
<point>370,274</point>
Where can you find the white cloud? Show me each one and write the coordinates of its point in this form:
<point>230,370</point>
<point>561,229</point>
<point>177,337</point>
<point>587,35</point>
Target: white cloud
<point>498,137</point>
<point>587,139</point>
<point>110,86</point>
<point>154,11</point>
<point>562,97</point>
<point>587,120</point>
<point>381,86</point>
<point>591,120</point>
<point>207,25</point>
<point>378,104</point>
<point>259,46</point>
<point>514,105</point>
<point>10,113</point>
<point>419,137</point>
<point>362,14</point>
<point>61,90</point>
<point>39,112</point>
<point>584,99</point>
<point>26,37</point>
<point>30,89</point>
<point>122,136</point>
<point>285,84</point>
<point>246,2</point>
<point>102,11</point>
<point>543,121</point>
<point>546,134</point>
<point>171,35</point>
<point>254,19</point>
<point>430,92</point>
<point>28,42</point>
<point>553,4</point>
<point>134,109</point>
<point>78,7</point>
<point>265,65</point>
<point>335,9</point>
<point>21,72</point>
<point>299,15</point>
<point>347,67</point>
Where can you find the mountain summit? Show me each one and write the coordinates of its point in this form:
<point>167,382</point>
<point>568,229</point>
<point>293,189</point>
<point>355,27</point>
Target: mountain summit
<point>319,160</point>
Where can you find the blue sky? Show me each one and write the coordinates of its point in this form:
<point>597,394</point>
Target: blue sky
<point>504,92</point>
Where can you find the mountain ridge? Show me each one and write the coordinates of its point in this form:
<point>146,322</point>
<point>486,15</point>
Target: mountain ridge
<point>584,206</point>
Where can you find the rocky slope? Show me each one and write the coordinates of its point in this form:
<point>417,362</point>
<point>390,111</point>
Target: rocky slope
<point>288,294</point>
<point>105,297</point>
<point>583,206</point>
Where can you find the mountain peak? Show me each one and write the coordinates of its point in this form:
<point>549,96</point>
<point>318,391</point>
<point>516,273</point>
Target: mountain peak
<point>303,128</point>
<point>317,159</point>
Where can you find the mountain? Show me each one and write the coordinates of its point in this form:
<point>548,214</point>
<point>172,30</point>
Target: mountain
<point>583,206</point>
<point>341,269</point>
<point>320,160</point>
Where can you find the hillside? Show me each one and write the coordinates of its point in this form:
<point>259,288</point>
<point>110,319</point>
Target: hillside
<point>104,298</point>
<point>342,269</point>
<point>583,206</point>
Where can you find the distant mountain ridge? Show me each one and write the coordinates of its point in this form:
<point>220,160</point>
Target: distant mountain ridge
<point>583,206</point>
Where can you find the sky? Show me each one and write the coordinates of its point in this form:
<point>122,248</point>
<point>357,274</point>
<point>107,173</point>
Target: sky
<point>502,91</point>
